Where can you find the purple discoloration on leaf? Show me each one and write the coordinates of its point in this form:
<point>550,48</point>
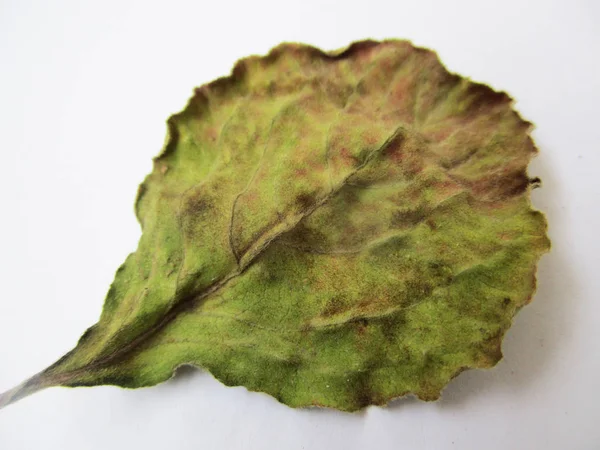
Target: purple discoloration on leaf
<point>331,228</point>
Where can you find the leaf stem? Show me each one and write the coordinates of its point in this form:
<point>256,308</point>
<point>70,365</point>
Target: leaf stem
<point>32,385</point>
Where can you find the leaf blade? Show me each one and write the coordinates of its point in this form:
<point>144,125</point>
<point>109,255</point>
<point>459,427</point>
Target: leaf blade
<point>333,229</point>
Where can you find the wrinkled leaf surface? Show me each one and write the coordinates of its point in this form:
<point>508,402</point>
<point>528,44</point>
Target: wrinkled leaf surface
<point>333,229</point>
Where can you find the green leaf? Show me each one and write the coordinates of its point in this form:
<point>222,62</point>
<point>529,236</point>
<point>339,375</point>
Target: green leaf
<point>334,229</point>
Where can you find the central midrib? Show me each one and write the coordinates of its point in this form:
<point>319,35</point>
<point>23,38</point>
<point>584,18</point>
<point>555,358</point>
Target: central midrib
<point>192,301</point>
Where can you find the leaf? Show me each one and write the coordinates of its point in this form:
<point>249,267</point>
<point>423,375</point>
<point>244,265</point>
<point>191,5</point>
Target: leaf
<point>334,229</point>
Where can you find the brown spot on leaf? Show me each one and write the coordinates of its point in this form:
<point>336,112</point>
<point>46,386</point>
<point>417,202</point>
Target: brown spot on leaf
<point>334,306</point>
<point>301,172</point>
<point>485,97</point>
<point>410,217</point>
<point>198,204</point>
<point>347,156</point>
<point>305,200</point>
<point>305,237</point>
<point>394,150</point>
<point>496,187</point>
<point>490,351</point>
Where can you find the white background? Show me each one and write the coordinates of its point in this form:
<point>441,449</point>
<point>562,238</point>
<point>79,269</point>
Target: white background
<point>85,88</point>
